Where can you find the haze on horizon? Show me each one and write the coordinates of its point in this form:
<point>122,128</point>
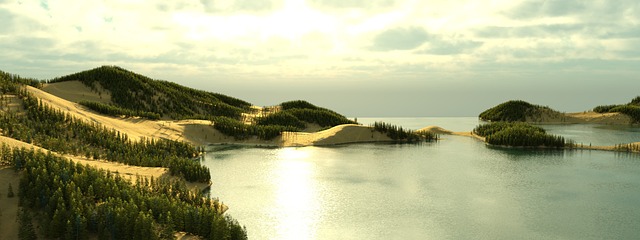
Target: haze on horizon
<point>361,58</point>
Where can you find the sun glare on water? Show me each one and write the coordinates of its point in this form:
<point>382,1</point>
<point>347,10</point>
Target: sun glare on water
<point>297,204</point>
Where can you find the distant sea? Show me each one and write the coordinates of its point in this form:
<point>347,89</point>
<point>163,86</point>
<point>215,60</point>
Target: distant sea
<point>456,188</point>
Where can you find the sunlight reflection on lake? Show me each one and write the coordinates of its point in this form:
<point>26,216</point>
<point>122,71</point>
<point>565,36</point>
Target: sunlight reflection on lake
<point>457,188</point>
<point>297,203</point>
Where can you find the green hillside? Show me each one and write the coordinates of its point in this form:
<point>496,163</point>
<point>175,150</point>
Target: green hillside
<point>135,94</point>
<point>513,111</point>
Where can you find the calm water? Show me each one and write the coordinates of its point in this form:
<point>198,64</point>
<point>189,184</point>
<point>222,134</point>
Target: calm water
<point>453,189</point>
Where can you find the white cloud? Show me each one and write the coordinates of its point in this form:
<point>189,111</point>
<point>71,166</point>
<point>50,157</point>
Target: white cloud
<point>319,39</point>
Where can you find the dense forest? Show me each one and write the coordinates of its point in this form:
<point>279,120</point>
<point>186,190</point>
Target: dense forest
<point>512,111</point>
<point>72,201</point>
<point>518,135</point>
<point>135,93</point>
<point>631,109</point>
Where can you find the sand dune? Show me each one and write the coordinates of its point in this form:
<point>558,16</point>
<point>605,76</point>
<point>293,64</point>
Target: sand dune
<point>136,128</point>
<point>581,117</point>
<point>76,91</point>
<point>201,132</point>
<point>342,134</point>
<point>435,130</point>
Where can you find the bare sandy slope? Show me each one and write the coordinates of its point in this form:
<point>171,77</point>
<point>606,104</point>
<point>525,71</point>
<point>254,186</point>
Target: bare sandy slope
<point>435,130</point>
<point>10,103</point>
<point>76,91</point>
<point>581,117</point>
<point>347,133</point>
<point>134,127</point>
<point>439,130</point>
<point>197,132</point>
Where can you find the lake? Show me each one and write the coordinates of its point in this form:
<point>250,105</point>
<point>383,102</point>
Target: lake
<point>456,188</point>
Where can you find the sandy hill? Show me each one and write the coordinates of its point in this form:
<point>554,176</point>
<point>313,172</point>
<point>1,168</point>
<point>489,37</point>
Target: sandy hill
<point>342,134</point>
<point>141,95</point>
<point>76,91</point>
<point>200,132</point>
<point>517,110</point>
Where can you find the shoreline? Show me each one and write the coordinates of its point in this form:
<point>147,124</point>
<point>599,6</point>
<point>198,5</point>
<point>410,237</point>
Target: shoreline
<point>633,147</point>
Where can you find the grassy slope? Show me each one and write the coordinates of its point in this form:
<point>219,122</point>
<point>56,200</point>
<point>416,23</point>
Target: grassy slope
<point>514,111</point>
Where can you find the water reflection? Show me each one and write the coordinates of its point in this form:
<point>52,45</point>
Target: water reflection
<point>457,188</point>
<point>296,200</point>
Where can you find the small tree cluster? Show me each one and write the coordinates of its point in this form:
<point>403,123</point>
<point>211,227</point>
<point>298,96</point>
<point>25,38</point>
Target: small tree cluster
<point>282,118</point>
<point>630,147</point>
<point>512,111</point>
<point>518,134</point>
<point>240,131</point>
<point>400,134</point>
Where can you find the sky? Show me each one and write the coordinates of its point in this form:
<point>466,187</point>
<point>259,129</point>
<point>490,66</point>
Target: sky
<point>363,58</point>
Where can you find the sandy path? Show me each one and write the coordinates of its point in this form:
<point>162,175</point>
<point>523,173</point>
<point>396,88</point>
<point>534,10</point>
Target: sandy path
<point>125,171</point>
<point>8,206</point>
<point>76,91</point>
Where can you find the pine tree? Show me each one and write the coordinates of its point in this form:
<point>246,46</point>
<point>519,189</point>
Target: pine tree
<point>10,192</point>
<point>26,230</point>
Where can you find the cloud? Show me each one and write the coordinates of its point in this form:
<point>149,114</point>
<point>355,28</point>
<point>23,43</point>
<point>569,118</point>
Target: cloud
<point>350,42</point>
<point>236,6</point>
<point>547,8</point>
<point>347,4</point>
<point>400,38</point>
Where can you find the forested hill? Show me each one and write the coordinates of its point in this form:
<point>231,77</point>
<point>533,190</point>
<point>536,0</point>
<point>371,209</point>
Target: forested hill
<point>135,94</point>
<point>513,111</point>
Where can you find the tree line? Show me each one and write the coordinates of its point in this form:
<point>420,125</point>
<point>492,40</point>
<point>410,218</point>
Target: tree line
<point>519,135</point>
<point>398,133</point>
<point>81,202</point>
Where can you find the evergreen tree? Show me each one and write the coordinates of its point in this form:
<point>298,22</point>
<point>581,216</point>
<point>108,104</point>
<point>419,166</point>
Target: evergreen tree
<point>10,191</point>
<point>26,230</point>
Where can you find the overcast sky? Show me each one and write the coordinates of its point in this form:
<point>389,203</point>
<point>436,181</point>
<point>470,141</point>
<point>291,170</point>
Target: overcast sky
<point>359,57</point>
